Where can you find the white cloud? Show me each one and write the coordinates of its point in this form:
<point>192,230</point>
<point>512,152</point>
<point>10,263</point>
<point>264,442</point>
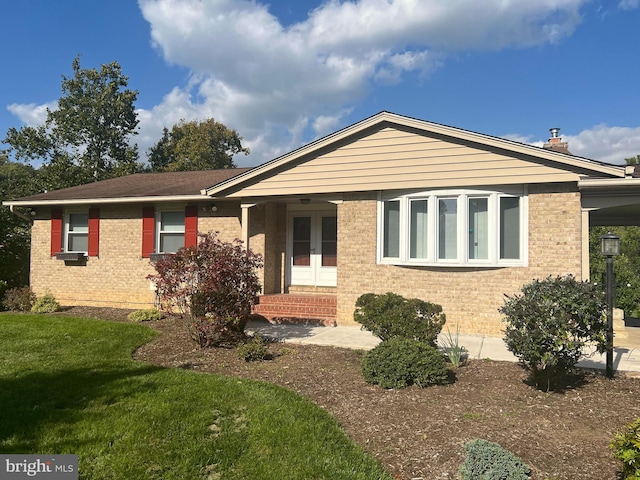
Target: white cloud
<point>32,114</point>
<point>281,86</point>
<point>629,4</point>
<point>605,143</point>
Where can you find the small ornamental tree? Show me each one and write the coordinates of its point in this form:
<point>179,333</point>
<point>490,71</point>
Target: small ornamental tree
<point>550,322</point>
<point>213,284</point>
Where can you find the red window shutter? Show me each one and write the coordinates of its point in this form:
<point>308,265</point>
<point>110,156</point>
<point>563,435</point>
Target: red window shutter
<point>148,231</point>
<point>56,231</point>
<point>190,226</point>
<point>94,232</point>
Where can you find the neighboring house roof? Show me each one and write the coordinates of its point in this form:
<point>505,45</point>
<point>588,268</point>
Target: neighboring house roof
<point>135,188</point>
<point>389,151</point>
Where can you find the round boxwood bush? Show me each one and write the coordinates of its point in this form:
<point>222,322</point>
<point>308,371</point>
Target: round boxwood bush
<point>393,316</point>
<point>402,362</point>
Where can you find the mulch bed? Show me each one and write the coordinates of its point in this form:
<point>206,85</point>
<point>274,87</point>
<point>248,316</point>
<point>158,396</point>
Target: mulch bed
<point>420,433</point>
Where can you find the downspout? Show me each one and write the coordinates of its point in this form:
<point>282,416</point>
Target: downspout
<point>21,215</point>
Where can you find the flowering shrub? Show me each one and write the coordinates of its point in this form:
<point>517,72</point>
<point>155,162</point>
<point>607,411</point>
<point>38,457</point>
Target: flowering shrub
<point>214,284</point>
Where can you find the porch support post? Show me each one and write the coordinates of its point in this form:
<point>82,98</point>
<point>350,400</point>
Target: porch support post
<point>245,222</point>
<point>585,246</point>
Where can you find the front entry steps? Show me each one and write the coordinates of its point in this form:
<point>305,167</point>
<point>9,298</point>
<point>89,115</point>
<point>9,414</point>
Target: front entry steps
<point>297,308</point>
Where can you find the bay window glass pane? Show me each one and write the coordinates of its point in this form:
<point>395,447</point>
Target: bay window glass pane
<point>447,228</point>
<point>78,233</point>
<point>509,227</point>
<point>478,228</point>
<point>391,229</point>
<point>418,232</point>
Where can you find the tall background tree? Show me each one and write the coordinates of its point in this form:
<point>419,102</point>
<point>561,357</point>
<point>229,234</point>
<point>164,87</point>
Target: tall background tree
<point>16,180</point>
<point>194,145</point>
<point>87,137</point>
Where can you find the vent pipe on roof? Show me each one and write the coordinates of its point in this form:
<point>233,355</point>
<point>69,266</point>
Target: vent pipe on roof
<point>554,132</point>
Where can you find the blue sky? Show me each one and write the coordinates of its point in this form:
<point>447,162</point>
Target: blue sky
<point>287,72</point>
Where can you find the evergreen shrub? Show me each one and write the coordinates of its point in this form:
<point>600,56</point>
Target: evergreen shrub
<point>45,304</point>
<point>402,362</point>
<point>393,316</point>
<point>489,461</point>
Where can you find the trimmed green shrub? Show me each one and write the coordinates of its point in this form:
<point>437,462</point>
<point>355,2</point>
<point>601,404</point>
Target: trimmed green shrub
<point>145,315</point>
<point>489,461</point>
<point>255,349</point>
<point>45,304</point>
<point>401,362</point>
<point>393,316</point>
<point>550,322</point>
<point>626,448</point>
<point>19,299</point>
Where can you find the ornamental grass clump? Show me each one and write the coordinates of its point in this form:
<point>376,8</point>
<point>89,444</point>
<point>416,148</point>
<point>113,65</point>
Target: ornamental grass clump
<point>550,322</point>
<point>393,316</point>
<point>213,285</point>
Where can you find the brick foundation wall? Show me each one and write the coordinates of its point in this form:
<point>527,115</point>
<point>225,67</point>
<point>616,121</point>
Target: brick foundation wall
<point>470,297</point>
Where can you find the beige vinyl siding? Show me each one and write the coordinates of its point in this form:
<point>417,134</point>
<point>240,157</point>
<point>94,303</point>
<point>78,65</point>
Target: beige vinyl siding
<point>395,159</point>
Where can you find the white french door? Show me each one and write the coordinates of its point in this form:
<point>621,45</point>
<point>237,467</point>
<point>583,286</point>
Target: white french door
<point>312,248</point>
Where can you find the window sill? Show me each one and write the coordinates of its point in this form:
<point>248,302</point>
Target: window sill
<point>156,257</point>
<point>70,257</point>
<point>476,265</point>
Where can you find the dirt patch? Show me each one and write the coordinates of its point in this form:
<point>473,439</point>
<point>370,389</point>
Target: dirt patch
<point>420,433</point>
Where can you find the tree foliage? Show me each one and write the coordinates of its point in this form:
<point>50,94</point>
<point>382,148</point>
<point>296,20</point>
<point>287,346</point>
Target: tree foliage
<point>86,138</point>
<point>196,145</point>
<point>550,322</point>
<point>626,266</point>
<point>16,180</point>
<point>214,284</point>
<point>633,160</point>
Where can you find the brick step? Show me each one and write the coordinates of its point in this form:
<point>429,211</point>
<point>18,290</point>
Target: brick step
<point>302,309</point>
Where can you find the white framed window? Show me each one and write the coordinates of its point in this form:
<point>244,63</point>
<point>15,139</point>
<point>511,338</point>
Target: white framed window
<point>76,232</point>
<point>169,231</point>
<point>453,228</point>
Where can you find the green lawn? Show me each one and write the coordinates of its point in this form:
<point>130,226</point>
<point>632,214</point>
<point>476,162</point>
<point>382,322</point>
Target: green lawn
<point>69,385</point>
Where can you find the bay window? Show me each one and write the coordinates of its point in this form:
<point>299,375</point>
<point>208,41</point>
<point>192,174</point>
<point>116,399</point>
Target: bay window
<point>453,228</point>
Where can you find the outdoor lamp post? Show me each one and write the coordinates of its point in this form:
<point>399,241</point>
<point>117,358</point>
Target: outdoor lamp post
<point>610,249</point>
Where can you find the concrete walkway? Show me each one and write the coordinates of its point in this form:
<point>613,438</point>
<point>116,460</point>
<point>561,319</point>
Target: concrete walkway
<point>626,355</point>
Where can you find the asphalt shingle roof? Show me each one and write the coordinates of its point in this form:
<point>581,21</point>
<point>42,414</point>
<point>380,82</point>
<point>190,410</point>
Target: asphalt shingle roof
<point>142,185</point>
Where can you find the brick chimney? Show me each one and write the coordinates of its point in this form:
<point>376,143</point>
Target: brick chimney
<point>555,143</point>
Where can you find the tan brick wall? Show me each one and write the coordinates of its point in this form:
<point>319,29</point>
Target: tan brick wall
<point>470,297</point>
<point>116,278</point>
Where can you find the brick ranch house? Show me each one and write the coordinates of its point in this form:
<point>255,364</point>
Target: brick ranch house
<point>390,203</point>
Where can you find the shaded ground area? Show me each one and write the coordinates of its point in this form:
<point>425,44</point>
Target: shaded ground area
<point>420,433</point>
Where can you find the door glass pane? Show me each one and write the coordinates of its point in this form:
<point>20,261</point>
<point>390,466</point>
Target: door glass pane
<point>302,241</point>
<point>478,228</point>
<point>329,241</point>
<point>509,227</point>
<point>391,227</point>
<point>447,228</point>
<point>418,240</point>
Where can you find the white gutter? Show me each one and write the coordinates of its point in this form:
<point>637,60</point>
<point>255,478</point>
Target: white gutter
<point>95,201</point>
<point>608,182</point>
<point>21,215</point>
